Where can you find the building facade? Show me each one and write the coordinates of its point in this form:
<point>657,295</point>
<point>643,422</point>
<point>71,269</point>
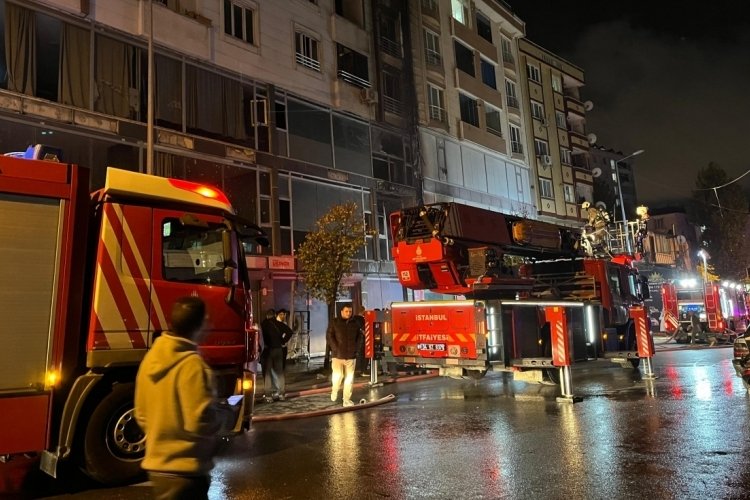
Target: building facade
<point>292,106</point>
<point>607,168</point>
<point>556,139</point>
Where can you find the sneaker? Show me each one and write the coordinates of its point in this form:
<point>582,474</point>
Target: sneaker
<point>333,398</point>
<point>281,397</point>
<point>267,399</point>
<point>348,403</point>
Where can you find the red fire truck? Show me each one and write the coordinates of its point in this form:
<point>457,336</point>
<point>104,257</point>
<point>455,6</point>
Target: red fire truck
<point>87,283</point>
<point>722,307</point>
<point>556,308</point>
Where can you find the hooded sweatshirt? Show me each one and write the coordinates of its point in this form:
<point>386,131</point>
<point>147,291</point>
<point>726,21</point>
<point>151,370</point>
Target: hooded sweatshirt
<point>175,405</point>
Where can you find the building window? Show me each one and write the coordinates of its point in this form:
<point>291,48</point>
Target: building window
<point>484,27</point>
<point>430,7</point>
<point>541,147</point>
<point>507,50</point>
<point>239,21</point>
<point>560,120</point>
<point>545,188</point>
<point>468,107</point>
<point>390,36</point>
<point>533,73</point>
<point>352,66</point>
<point>432,48</point>
<point>537,110</point>
<point>488,73</point>
<point>569,193</point>
<point>510,94</point>
<point>392,91</point>
<point>306,51</point>
<point>515,139</point>
<point>352,10</point>
<point>565,156</point>
<point>464,58</point>
<point>460,11</point>
<point>557,83</point>
<point>436,104</point>
<point>493,120</point>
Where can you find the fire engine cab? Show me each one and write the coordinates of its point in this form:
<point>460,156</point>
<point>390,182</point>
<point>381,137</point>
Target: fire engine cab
<point>86,286</point>
<point>545,308</point>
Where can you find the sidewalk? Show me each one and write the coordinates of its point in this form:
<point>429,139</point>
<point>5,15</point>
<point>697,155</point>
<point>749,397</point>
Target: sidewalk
<point>308,391</point>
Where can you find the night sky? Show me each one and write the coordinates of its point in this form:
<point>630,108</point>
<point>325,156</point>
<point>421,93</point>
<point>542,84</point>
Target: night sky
<point>669,77</point>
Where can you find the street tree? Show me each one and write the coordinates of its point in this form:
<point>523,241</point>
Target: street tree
<point>327,252</point>
<point>721,209</point>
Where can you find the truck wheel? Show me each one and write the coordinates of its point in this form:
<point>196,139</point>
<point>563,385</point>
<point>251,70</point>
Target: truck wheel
<point>114,444</point>
<point>552,375</point>
<point>632,346</point>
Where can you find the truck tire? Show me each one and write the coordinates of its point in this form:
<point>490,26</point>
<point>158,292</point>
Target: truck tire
<point>632,346</point>
<point>113,443</point>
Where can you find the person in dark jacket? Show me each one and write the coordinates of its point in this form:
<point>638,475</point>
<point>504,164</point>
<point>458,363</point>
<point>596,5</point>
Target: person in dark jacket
<point>275,336</point>
<point>177,408</point>
<point>342,336</point>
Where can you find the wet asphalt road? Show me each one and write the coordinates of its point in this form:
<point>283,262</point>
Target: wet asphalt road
<point>683,436</point>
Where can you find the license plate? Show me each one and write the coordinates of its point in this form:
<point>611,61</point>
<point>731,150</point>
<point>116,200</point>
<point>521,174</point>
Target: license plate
<point>431,347</point>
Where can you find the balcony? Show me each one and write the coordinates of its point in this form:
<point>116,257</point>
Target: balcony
<point>473,39</point>
<point>478,89</point>
<point>430,9</point>
<point>307,62</point>
<point>392,105</point>
<point>353,79</point>
<point>434,59</point>
<point>509,62</point>
<point>579,141</point>
<point>476,135</point>
<point>390,47</point>
<point>573,105</point>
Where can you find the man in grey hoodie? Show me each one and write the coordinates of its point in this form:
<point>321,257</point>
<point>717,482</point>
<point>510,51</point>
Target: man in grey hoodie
<point>177,408</point>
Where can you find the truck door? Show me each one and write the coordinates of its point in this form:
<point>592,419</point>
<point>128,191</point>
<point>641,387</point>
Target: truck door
<point>188,259</point>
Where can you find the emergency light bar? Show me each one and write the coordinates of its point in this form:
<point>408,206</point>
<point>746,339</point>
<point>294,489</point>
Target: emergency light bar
<point>126,183</point>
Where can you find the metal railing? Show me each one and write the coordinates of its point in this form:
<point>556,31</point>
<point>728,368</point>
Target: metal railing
<point>516,147</point>
<point>390,47</point>
<point>512,101</point>
<point>308,62</point>
<point>437,114</point>
<point>433,57</point>
<point>353,79</point>
<point>392,105</point>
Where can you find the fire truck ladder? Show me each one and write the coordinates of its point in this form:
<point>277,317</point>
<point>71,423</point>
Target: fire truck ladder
<point>579,285</point>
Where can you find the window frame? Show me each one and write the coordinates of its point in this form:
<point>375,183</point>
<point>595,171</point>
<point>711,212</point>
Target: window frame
<point>490,109</point>
<point>569,193</point>
<point>534,73</point>
<point>253,25</point>
<point>516,144</point>
<point>439,108</point>
<point>469,113</point>
<point>537,110</point>
<point>308,44</point>
<point>432,53</point>
<point>546,189</point>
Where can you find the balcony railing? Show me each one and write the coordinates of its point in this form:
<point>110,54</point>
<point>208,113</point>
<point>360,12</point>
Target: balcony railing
<point>392,105</point>
<point>390,47</point>
<point>353,79</point>
<point>308,62</point>
<point>512,101</point>
<point>430,8</point>
<point>433,57</point>
<point>516,147</point>
<point>437,114</point>
<point>508,58</point>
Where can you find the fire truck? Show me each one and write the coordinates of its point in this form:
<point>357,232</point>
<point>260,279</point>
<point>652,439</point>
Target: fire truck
<point>721,307</point>
<point>88,282</point>
<point>557,307</point>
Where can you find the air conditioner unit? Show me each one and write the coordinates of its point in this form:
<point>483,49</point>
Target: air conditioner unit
<point>368,96</point>
<point>546,160</point>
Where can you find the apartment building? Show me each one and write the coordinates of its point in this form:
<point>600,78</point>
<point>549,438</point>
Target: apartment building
<point>607,168</point>
<point>471,123</point>
<point>556,135</point>
<point>275,102</point>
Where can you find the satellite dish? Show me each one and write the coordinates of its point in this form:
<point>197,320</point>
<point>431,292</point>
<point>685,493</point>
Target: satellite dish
<point>681,239</point>
<point>596,171</point>
<point>600,205</point>
<point>588,105</point>
<point>591,138</point>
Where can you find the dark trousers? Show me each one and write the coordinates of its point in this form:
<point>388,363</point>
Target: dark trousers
<point>177,487</point>
<point>274,381</point>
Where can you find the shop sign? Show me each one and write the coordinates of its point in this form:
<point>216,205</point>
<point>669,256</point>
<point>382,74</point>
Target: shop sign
<point>281,262</point>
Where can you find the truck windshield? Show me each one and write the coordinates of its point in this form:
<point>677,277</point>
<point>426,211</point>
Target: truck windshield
<point>192,254</point>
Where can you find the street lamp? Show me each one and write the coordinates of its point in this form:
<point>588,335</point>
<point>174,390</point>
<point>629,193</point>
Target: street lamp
<point>629,247</point>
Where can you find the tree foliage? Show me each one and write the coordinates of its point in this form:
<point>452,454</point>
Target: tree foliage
<point>327,252</point>
<point>723,214</point>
